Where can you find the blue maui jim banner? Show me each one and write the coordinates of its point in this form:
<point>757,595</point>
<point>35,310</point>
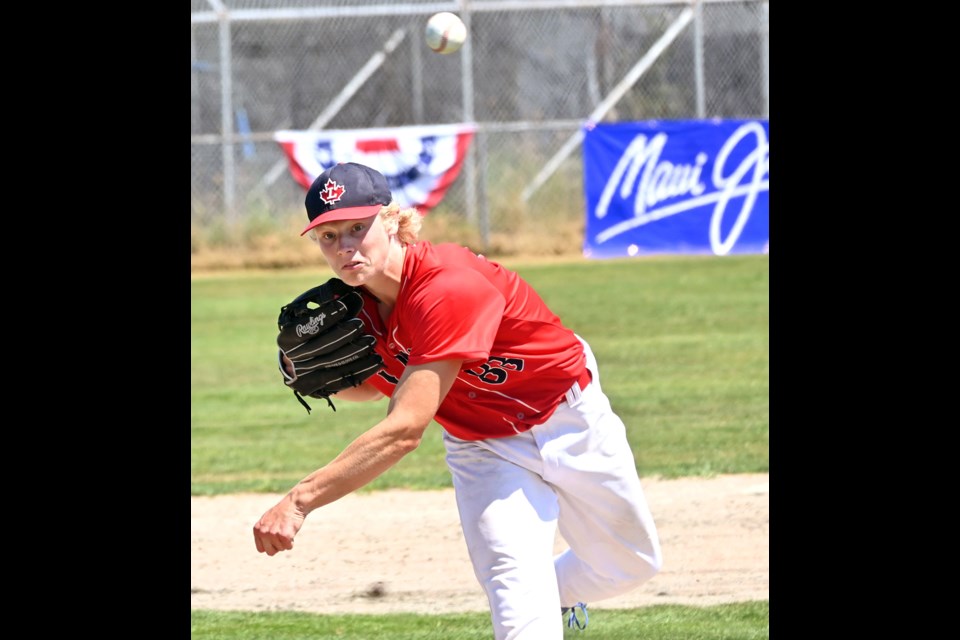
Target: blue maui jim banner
<point>676,187</point>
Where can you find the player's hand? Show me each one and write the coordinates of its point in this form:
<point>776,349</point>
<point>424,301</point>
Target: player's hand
<point>276,529</point>
<point>288,366</point>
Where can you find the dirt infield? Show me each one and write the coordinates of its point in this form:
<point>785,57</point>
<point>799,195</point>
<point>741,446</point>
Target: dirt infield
<point>398,551</point>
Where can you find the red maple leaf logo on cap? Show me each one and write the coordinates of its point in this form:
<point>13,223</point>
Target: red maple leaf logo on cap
<point>331,192</point>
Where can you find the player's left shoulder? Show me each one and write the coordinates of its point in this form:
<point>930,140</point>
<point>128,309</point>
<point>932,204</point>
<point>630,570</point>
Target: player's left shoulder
<point>446,253</point>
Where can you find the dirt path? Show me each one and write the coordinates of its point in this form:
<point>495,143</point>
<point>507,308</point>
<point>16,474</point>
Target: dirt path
<point>403,551</point>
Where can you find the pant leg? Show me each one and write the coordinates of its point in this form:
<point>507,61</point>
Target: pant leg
<point>509,514</point>
<point>603,512</point>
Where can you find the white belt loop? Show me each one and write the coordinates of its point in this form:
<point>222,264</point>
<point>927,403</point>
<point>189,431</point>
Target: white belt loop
<point>574,395</point>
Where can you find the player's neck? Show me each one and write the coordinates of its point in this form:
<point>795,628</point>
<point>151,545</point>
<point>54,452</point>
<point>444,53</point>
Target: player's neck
<point>386,288</point>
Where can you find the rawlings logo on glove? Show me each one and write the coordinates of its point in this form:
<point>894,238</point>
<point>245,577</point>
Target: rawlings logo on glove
<point>312,327</point>
<point>322,339</point>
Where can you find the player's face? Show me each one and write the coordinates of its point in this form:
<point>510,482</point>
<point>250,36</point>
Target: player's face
<point>356,250</point>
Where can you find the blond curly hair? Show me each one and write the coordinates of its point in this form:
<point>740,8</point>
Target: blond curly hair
<point>404,222</point>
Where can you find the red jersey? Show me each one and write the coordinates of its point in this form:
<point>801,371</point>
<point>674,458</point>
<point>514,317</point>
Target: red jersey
<point>519,359</point>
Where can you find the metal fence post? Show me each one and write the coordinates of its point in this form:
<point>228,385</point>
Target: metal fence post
<point>698,57</point>
<point>226,118</point>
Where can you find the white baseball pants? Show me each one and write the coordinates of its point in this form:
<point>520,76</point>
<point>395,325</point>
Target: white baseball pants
<point>576,472</point>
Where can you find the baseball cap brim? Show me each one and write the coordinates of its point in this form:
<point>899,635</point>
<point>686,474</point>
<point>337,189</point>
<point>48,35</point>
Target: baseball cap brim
<point>349,213</point>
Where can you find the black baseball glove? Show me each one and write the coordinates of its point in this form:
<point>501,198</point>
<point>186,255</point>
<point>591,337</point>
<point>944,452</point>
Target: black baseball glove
<point>323,337</point>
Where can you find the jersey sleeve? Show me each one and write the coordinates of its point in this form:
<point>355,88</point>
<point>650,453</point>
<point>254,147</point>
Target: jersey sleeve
<point>456,313</point>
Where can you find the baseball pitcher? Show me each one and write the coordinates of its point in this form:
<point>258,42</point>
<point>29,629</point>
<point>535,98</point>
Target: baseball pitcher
<point>531,441</point>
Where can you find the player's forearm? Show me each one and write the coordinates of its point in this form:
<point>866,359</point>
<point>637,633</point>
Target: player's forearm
<point>364,460</point>
<point>363,393</point>
<point>412,407</point>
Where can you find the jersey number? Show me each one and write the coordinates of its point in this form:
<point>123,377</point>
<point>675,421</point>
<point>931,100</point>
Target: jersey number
<point>495,370</point>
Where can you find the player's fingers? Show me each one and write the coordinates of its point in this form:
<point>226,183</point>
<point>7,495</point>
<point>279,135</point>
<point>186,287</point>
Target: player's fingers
<point>268,547</point>
<point>261,547</point>
<point>272,544</point>
<point>276,544</point>
<point>265,540</point>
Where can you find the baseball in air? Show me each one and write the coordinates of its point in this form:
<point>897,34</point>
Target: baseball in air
<point>445,32</point>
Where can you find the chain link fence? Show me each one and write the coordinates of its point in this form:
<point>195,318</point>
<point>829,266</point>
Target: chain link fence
<point>530,75</point>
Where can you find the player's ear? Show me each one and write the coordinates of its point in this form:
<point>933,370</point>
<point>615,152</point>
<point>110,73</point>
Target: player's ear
<point>390,222</point>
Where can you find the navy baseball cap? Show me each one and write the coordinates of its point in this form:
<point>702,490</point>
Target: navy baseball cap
<point>346,191</point>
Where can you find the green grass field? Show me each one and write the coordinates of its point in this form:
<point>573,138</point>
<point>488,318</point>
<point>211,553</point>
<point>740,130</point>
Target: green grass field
<point>741,621</point>
<point>683,347</point>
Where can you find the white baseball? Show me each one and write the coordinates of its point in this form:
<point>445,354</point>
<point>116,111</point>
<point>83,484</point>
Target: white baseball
<point>445,32</point>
